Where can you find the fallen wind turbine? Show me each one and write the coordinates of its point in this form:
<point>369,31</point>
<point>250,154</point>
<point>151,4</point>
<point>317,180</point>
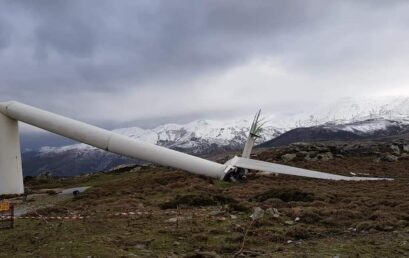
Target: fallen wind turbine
<point>11,176</point>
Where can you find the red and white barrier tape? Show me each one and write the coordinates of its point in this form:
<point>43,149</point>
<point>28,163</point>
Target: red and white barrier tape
<point>80,217</point>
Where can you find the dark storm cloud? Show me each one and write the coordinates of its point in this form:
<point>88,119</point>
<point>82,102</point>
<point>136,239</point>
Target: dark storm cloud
<point>106,41</point>
<point>109,57</point>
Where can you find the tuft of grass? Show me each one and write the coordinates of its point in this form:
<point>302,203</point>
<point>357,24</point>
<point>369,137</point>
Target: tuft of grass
<point>198,200</point>
<point>286,195</point>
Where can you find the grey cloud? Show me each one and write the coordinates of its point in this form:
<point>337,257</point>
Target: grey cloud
<point>135,41</point>
<point>5,33</point>
<point>55,52</point>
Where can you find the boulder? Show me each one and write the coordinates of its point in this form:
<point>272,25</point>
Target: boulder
<point>273,212</point>
<point>389,157</point>
<point>394,149</point>
<point>320,148</point>
<point>45,174</point>
<point>258,213</point>
<point>325,156</point>
<point>311,157</point>
<point>302,153</point>
<point>404,155</point>
<point>288,157</point>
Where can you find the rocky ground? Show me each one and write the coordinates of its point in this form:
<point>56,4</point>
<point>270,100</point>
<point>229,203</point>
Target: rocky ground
<point>161,212</point>
<point>380,151</point>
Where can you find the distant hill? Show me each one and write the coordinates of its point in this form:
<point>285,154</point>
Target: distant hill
<point>368,129</point>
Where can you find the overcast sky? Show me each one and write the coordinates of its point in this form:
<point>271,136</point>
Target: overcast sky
<point>117,63</point>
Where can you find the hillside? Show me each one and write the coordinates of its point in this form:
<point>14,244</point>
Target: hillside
<point>368,129</point>
<point>296,217</point>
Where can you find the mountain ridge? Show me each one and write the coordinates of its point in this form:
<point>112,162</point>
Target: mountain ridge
<point>348,117</point>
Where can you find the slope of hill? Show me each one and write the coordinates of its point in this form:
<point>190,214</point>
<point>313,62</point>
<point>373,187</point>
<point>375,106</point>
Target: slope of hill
<point>368,129</point>
<point>162,212</point>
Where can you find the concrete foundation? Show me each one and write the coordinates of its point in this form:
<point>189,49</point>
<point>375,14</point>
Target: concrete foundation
<point>11,174</point>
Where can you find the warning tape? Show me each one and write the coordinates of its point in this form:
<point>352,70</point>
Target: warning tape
<point>80,217</point>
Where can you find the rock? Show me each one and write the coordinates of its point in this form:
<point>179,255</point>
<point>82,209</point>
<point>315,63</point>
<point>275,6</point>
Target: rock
<point>325,156</point>
<point>394,149</point>
<point>216,213</point>
<point>45,174</point>
<point>404,155</point>
<point>311,156</point>
<point>320,148</point>
<point>289,222</point>
<point>288,157</point>
<point>302,153</point>
<point>274,212</point>
<point>140,246</point>
<point>389,157</point>
<point>258,213</point>
<point>136,169</point>
<point>405,148</point>
<point>173,220</point>
<point>233,216</point>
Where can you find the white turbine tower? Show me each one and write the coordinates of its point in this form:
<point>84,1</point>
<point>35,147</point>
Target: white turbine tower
<point>11,176</point>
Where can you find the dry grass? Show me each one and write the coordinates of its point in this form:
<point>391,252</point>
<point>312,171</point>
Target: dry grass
<point>350,219</point>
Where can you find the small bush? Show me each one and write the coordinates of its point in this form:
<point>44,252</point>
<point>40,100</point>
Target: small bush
<point>310,216</point>
<point>49,211</point>
<point>375,225</point>
<point>51,192</point>
<point>298,232</point>
<point>197,200</point>
<point>239,206</point>
<point>286,195</point>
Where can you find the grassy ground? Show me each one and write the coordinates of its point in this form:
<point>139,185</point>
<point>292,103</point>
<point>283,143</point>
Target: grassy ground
<point>316,218</point>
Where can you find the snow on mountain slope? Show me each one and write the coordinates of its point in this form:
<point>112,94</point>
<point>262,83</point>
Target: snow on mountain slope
<point>199,137</point>
<point>349,110</point>
<point>193,137</point>
<point>369,126</point>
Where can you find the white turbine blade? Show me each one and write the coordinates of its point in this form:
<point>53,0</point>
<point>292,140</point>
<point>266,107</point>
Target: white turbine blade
<point>287,170</point>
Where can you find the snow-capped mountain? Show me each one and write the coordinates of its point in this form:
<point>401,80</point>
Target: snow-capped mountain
<point>371,129</point>
<point>350,110</point>
<point>201,137</point>
<point>198,137</point>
